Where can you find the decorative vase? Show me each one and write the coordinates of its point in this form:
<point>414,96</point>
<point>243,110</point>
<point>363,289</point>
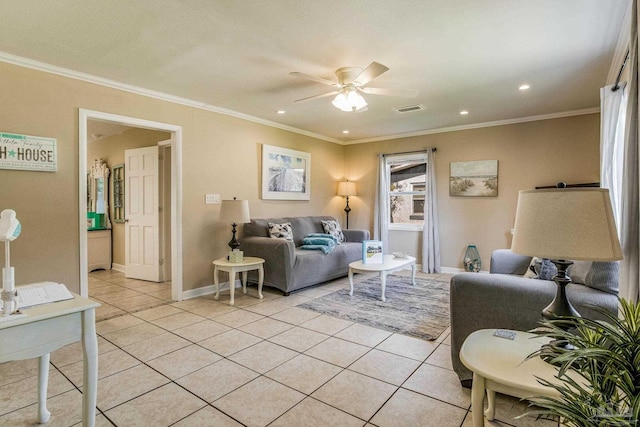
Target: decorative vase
<point>472,260</point>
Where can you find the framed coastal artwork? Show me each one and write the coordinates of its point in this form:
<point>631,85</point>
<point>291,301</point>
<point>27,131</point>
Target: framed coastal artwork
<point>286,174</point>
<point>372,252</point>
<point>474,179</point>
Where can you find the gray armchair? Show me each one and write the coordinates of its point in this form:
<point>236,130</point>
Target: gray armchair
<point>504,299</point>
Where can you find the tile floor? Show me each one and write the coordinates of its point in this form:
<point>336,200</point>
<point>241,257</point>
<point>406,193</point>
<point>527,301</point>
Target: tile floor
<point>266,362</point>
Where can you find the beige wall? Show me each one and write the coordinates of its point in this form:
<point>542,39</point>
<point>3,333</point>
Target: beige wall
<point>529,155</point>
<point>111,150</point>
<point>221,154</point>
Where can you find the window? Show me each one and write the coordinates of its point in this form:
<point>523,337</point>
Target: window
<point>406,175</point>
<point>418,201</point>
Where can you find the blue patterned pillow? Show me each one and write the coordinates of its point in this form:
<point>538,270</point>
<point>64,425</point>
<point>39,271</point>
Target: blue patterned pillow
<point>280,231</point>
<point>541,268</point>
<point>333,228</point>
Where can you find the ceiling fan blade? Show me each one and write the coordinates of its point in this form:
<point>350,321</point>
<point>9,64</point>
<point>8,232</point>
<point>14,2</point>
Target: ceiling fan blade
<point>406,93</point>
<point>315,79</point>
<point>372,71</point>
<point>323,95</point>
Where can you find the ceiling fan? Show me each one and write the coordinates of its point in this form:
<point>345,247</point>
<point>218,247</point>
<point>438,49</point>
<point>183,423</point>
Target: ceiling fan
<point>352,81</point>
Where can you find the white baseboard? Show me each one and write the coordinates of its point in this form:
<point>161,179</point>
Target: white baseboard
<point>118,267</point>
<point>453,270</point>
<point>208,290</point>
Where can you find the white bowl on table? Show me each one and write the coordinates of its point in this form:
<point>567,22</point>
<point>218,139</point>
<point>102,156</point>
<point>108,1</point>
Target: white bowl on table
<point>400,255</point>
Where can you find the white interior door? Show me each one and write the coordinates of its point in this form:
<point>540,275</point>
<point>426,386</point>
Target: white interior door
<point>142,220</point>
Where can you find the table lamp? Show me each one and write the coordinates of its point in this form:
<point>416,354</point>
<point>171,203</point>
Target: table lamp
<point>346,189</point>
<point>564,224</point>
<point>235,212</point>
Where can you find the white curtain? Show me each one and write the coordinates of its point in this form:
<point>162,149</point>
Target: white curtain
<point>613,106</point>
<point>430,233</point>
<point>630,266</point>
<point>381,207</point>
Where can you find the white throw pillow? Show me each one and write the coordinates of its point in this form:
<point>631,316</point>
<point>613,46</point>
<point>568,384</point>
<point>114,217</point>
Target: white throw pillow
<point>333,228</point>
<point>579,271</point>
<point>280,231</point>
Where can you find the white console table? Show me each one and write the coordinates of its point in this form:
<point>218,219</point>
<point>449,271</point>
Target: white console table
<point>46,328</point>
<point>98,249</point>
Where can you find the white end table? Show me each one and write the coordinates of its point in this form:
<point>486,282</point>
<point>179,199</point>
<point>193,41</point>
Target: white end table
<point>498,364</point>
<point>389,265</point>
<point>249,263</point>
<point>46,328</point>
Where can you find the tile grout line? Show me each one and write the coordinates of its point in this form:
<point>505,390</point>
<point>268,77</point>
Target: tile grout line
<point>268,339</point>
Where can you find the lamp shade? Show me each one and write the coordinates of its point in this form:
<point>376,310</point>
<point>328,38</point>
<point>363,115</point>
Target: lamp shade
<point>566,224</point>
<point>235,211</point>
<point>347,188</point>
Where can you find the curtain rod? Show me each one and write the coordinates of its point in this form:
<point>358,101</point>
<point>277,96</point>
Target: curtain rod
<point>624,64</point>
<point>409,152</point>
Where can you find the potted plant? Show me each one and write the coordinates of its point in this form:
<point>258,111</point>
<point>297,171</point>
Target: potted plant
<point>606,357</point>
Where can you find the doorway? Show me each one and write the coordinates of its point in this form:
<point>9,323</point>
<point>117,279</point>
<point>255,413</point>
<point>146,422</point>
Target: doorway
<point>173,184</point>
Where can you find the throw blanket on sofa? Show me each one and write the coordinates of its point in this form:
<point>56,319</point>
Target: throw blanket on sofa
<point>323,236</point>
<point>318,242</point>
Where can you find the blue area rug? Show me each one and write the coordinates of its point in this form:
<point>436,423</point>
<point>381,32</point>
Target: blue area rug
<point>420,311</point>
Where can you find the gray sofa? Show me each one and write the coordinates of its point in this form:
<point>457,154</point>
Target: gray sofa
<point>506,300</point>
<point>289,268</point>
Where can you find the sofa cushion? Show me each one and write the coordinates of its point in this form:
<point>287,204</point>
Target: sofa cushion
<point>333,228</point>
<point>280,231</point>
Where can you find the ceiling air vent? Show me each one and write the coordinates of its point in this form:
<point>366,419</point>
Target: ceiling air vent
<point>409,108</point>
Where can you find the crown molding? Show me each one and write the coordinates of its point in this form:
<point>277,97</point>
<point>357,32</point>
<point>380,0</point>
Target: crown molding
<point>65,72</point>
<point>478,125</point>
<point>76,75</point>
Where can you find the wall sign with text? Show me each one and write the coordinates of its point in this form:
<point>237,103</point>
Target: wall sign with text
<point>24,152</point>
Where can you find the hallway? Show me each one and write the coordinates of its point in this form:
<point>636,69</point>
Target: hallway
<point>120,295</point>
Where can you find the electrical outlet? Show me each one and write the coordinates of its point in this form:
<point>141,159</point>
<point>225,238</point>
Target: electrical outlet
<point>211,199</point>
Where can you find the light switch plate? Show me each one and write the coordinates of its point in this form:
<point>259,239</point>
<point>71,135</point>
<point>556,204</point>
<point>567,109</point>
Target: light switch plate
<point>211,199</point>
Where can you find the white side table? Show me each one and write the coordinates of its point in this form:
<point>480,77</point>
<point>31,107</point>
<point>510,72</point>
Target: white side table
<point>249,263</point>
<point>389,265</point>
<point>498,364</point>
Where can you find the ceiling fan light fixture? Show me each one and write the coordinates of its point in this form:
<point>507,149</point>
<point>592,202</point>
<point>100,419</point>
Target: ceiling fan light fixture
<point>349,100</point>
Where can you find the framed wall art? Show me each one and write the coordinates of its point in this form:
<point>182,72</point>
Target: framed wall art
<point>286,174</point>
<point>372,252</point>
<point>474,179</point>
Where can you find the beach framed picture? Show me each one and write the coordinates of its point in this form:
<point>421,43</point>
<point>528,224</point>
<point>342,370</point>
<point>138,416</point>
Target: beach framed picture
<point>286,174</point>
<point>474,179</point>
<point>372,252</point>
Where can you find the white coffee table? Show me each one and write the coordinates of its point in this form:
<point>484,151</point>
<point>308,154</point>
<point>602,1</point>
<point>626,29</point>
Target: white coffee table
<point>389,265</point>
<point>248,263</point>
<point>498,364</point>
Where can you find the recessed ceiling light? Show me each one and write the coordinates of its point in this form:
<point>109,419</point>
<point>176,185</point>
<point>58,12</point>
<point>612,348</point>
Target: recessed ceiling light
<point>345,131</point>
<point>524,87</point>
<point>280,111</point>
<point>464,112</point>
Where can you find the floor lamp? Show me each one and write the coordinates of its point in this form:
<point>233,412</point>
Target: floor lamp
<point>564,224</point>
<point>346,189</point>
